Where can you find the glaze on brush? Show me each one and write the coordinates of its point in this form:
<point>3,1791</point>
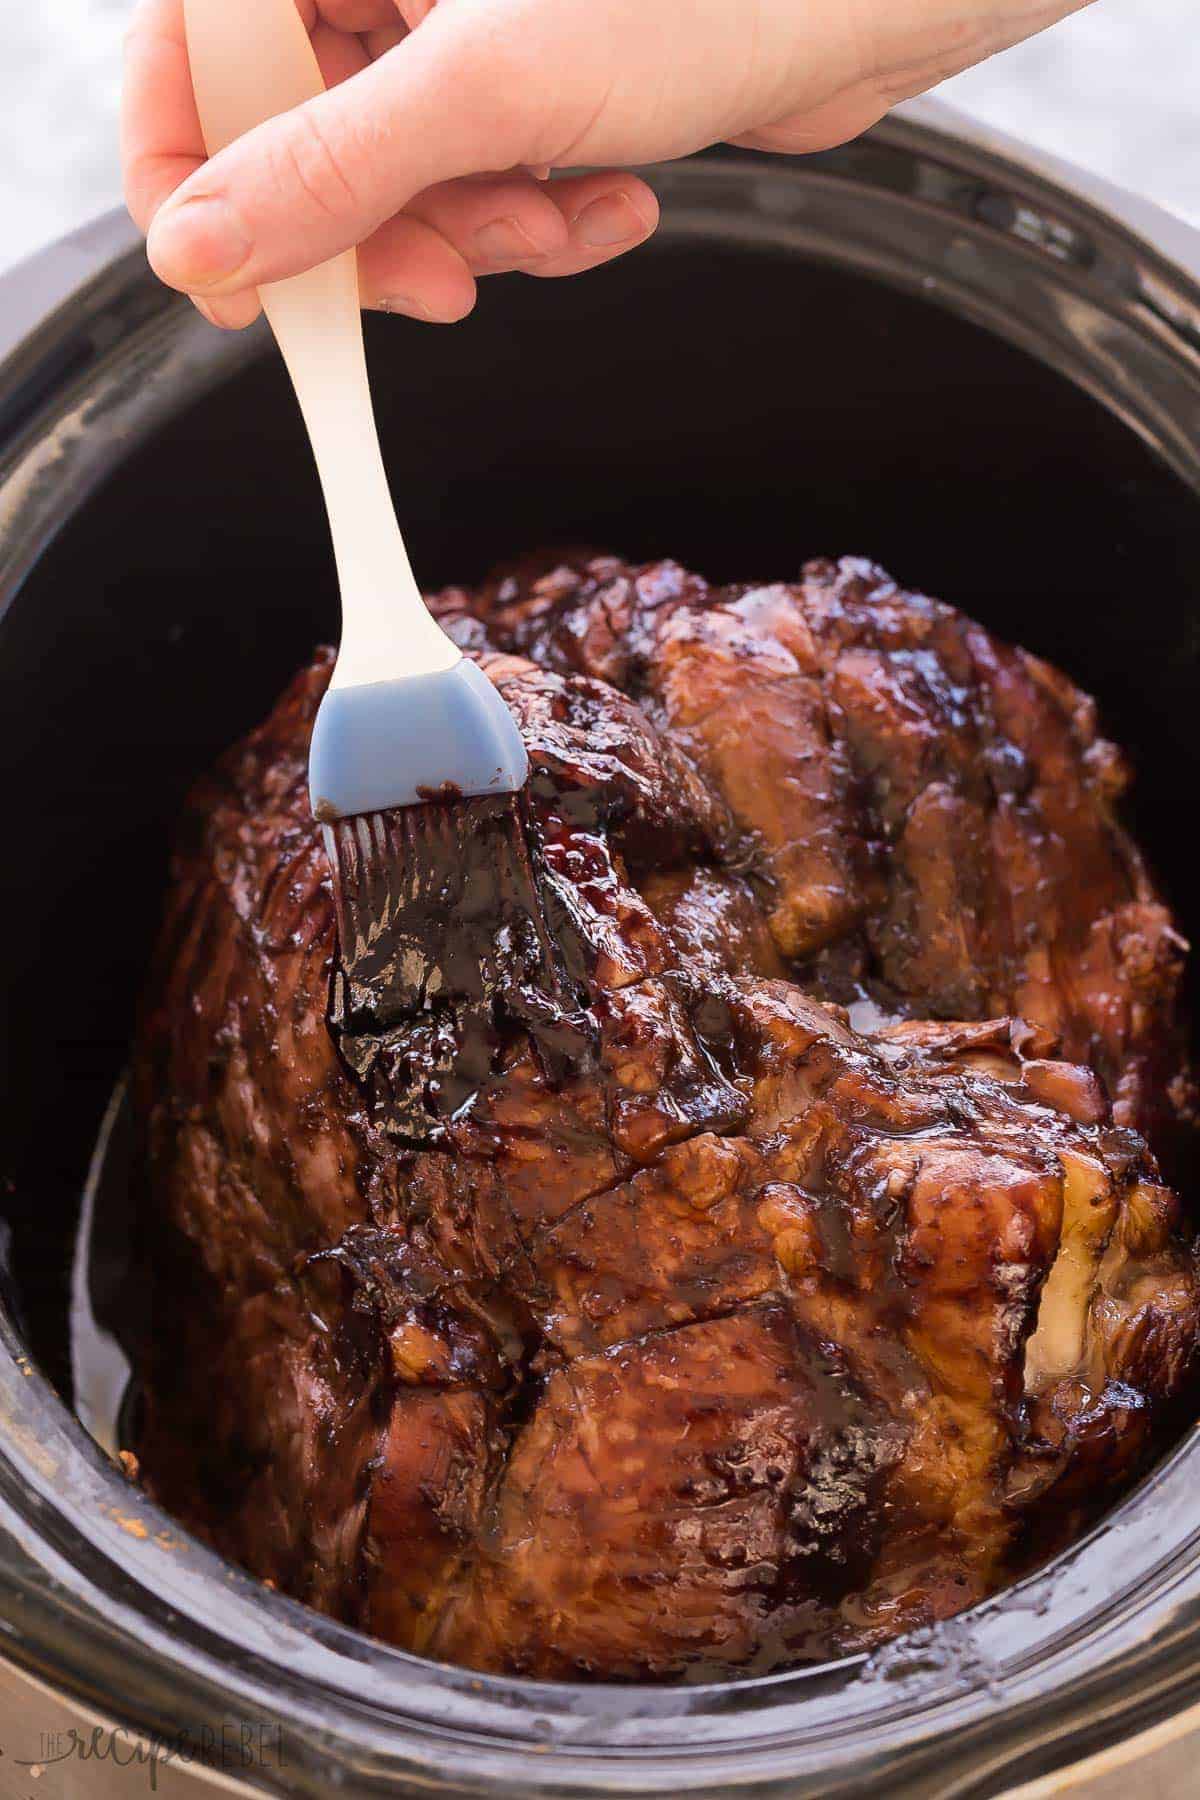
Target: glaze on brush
<point>445,952</point>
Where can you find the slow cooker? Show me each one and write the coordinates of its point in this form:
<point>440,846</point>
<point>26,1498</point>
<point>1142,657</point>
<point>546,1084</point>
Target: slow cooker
<point>928,347</point>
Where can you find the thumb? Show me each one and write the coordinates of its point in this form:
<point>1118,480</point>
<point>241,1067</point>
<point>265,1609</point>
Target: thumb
<point>457,97</point>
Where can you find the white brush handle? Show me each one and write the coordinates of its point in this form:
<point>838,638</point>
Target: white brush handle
<point>252,59</point>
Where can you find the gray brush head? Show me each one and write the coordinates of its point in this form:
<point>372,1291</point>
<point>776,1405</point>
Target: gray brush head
<point>423,737</point>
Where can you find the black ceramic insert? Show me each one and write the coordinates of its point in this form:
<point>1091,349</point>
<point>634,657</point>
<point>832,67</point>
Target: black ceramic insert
<point>918,348</point>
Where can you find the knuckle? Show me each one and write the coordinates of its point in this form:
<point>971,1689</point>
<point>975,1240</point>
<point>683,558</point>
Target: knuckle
<point>318,164</point>
<point>493,73</point>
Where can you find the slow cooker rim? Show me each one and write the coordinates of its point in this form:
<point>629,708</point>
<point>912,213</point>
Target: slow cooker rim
<point>86,1527</point>
<point>926,131</point>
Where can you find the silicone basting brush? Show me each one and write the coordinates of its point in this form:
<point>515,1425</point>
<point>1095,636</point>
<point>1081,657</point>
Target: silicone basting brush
<point>417,769</point>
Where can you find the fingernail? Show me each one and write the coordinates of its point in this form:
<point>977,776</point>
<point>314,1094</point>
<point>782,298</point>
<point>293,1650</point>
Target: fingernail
<point>404,303</point>
<point>197,244</point>
<point>229,315</point>
<point>505,241</point>
<point>613,219</point>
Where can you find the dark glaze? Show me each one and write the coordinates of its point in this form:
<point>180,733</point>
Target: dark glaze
<point>936,813</point>
<point>446,952</point>
<point>603,1304</point>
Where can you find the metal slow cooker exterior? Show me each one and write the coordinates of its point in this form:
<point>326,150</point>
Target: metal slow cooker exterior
<point>113,1618</point>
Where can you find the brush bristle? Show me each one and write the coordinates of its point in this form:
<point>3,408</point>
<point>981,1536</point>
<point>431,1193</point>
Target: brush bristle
<point>446,948</point>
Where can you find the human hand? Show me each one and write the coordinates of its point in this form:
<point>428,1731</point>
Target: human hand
<point>426,150</point>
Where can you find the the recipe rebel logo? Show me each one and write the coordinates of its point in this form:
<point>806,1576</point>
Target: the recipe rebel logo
<point>235,1746</point>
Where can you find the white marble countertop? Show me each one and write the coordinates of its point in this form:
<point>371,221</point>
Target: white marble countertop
<point>1116,88</point>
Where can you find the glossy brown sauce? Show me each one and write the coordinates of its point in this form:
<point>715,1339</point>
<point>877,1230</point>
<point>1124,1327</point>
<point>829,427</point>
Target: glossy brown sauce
<point>450,944</point>
<point>591,1299</point>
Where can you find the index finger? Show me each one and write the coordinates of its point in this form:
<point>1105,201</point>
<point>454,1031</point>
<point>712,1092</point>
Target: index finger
<point>161,140</point>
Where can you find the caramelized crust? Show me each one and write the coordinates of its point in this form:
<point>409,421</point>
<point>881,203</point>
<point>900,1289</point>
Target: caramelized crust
<point>930,814</point>
<point>746,1337</point>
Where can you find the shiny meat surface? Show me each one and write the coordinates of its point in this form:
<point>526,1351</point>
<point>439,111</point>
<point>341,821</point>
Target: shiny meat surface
<point>738,1336</point>
<point>930,813</point>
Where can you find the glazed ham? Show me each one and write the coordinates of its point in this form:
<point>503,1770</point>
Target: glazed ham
<point>729,1334</point>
